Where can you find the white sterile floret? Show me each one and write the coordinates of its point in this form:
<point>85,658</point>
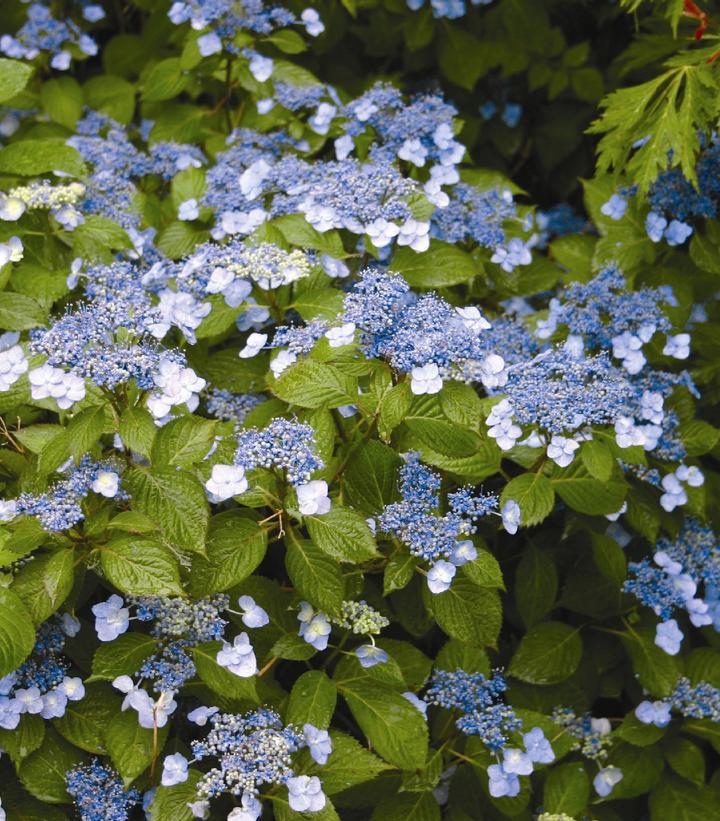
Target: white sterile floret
<point>242,222</point>
<point>250,809</point>
<point>651,407</point>
<point>510,514</point>
<point>501,426</point>
<point>341,335</point>
<point>11,251</point>
<point>305,794</point>
<point>677,346</point>
<point>209,44</point>
<point>313,498</point>
<point>493,373</point>
<point>106,483</point>
<point>562,450</point>
<point>47,382</point>
<point>261,67</point>
<point>225,482</point>
<point>440,576</point>
<point>318,742</point>
<point>253,345</point>
<point>13,365</point>
<point>344,146</point>
<point>381,232</point>
<point>627,433</point>
<point>426,379</point>
<point>252,178</point>
<point>175,770</point>
<point>415,234</point>
<point>690,475</point>
<point>313,24</point>
<point>238,657</point>
<point>11,208</point>
<point>189,210</point>
<point>282,361</point>
<point>322,118</point>
<point>674,493</point>
<point>252,614</point>
<point>413,151</point>
<point>472,319</point>
<point>627,348</point>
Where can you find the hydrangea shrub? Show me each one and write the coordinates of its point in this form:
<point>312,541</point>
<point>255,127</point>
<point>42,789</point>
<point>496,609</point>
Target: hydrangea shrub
<point>358,392</point>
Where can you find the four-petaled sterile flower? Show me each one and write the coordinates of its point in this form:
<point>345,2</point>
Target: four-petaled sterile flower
<point>225,482</point>
<point>252,614</point>
<point>606,779</point>
<point>318,742</point>
<point>305,794</point>
<point>238,657</point>
<point>369,655</point>
<point>112,618</point>
<point>313,498</point>
<point>653,712</point>
<point>175,770</point>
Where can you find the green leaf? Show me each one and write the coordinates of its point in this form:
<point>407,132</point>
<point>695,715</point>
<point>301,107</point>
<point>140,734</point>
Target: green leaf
<point>141,567</point>
<point>463,58</point>
<point>394,727</point>
<point>686,758</point>
<point>398,572</point>
<point>418,806</point>
<point>31,157</point>
<point>288,41</point>
<point>164,81</point>
<point>312,700</point>
<point>43,773</point>
<point>175,500</point>
<point>440,266</point>
<point>130,746</point>
<point>62,98</point>
<point>45,583</point>
<point>394,405</point>
<point>97,235</point>
<point>343,534</point>
<point>670,110</point>
<point>641,769</point>
<point>18,312</point>
<point>138,430</point>
<point>567,789</point>
<point>598,459</point>
<point>547,654</point>
<point>17,636</point>
<point>24,739</point>
<point>311,384</point>
<point>468,612</point>
<point>535,495</point>
<point>85,721</point>
<point>85,429</point>
<point>371,477</point>
<point>316,576</point>
<point>485,571</point>
<point>184,441</point>
<point>14,76</point>
<point>586,494</point>
<point>536,585</point>
<point>122,657</point>
<point>635,732</point>
<point>236,545</point>
<point>298,231</point>
<point>180,239</point>
<point>349,764</point>
<point>112,96</point>
<point>656,671</point>
<point>676,799</point>
<point>171,803</point>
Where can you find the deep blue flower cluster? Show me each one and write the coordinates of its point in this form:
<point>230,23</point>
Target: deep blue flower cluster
<point>288,446</point>
<point>98,793</point>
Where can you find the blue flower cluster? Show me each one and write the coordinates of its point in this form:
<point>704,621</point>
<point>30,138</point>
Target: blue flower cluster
<point>231,407</point>
<point>41,685</point>
<point>98,793</point>
<point>674,200</point>
<point>59,508</point>
<point>485,715</point>
<point>429,536</point>
<point>451,9</point>
<point>692,701</point>
<point>424,336</point>
<point>681,567</point>
<point>61,39</point>
<point>285,445</point>
<point>178,626</point>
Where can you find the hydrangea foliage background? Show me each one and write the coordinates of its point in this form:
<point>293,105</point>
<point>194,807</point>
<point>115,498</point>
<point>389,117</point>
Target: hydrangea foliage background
<point>358,390</point>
